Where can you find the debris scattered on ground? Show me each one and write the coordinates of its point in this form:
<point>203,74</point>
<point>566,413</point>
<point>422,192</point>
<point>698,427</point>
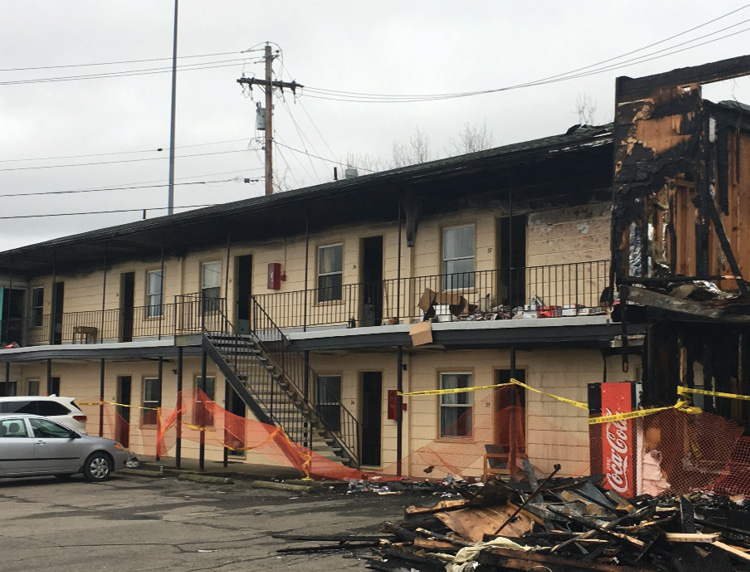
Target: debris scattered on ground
<point>570,524</point>
<point>447,487</point>
<point>556,525</point>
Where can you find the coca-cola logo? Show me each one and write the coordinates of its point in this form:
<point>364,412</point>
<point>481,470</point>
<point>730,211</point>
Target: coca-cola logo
<point>616,433</point>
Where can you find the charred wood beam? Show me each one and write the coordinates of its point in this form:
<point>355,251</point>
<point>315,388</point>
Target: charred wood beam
<point>516,560</point>
<point>695,309</point>
<point>702,74</point>
<point>726,246</point>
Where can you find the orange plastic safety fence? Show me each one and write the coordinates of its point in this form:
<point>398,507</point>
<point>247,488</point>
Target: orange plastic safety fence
<point>456,446</point>
<point>736,478</point>
<point>677,453</point>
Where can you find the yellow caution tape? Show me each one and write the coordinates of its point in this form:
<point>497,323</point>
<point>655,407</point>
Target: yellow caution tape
<point>512,382</point>
<point>681,405</point>
<point>454,390</point>
<point>92,403</point>
<point>563,399</point>
<point>687,390</point>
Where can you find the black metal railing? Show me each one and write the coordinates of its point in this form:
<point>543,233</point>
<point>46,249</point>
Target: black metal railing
<point>91,326</point>
<point>318,397</point>
<point>197,312</point>
<point>276,375</point>
<point>567,289</point>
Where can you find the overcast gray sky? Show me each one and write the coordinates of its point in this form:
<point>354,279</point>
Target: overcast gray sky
<point>103,133</point>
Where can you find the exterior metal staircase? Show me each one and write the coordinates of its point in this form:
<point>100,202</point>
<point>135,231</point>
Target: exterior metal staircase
<point>275,381</point>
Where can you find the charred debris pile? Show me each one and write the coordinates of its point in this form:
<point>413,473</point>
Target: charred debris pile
<point>555,525</point>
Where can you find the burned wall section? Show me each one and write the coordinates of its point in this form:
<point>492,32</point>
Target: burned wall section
<point>679,240</point>
<point>658,141</point>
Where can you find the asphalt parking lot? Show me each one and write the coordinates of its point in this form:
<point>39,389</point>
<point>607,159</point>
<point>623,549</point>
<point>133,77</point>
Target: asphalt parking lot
<point>137,523</point>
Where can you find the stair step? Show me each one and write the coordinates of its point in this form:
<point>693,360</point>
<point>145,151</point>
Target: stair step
<point>298,418</point>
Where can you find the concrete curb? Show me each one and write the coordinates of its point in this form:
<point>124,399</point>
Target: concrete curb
<point>204,479</point>
<point>280,487</point>
<point>142,473</point>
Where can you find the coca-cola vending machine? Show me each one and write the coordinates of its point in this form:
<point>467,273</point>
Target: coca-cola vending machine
<point>615,445</point>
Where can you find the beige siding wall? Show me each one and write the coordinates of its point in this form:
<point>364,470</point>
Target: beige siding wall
<point>555,432</point>
<point>555,236</point>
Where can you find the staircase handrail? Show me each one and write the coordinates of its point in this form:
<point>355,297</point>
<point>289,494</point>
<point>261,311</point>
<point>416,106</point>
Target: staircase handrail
<point>348,441</point>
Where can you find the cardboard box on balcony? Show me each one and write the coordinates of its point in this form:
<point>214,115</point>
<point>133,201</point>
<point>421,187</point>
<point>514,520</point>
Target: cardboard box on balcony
<point>421,334</point>
<point>448,298</point>
<point>426,300</point>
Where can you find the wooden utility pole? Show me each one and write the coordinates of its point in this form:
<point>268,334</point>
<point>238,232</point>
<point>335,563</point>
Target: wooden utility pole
<point>269,84</point>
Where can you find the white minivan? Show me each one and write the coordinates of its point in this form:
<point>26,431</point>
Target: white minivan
<point>61,409</point>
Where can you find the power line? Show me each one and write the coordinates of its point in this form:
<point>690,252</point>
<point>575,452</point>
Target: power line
<point>117,63</point>
<point>321,158</point>
<point>302,105</point>
<point>301,136</point>
<point>127,73</point>
<point>142,184</point>
<point>120,188</point>
<point>333,95</point>
<point>113,211</point>
<point>121,161</point>
<point>157,150</point>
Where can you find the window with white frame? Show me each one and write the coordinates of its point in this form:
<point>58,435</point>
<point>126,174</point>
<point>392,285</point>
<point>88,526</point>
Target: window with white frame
<point>455,408</point>
<point>202,415</point>
<point>458,257</point>
<point>211,284</point>
<point>330,272</point>
<point>154,293</point>
<point>151,400</point>
<point>37,307</point>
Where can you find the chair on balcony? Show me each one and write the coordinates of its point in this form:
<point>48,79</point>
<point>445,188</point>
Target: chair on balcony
<point>496,460</point>
<point>84,334</point>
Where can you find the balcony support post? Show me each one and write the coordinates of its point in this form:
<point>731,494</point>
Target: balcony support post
<point>53,309</point>
<point>399,409</point>
<point>202,420</point>
<point>227,317</point>
<point>161,287</point>
<point>49,377</point>
<point>101,399</point>
<point>104,297</point>
<point>398,280</point>
<point>10,306</point>
<point>307,438</point>
<point>307,266</point>
<point>160,375</point>
<point>7,376</point>
<point>510,251</point>
<point>178,440</point>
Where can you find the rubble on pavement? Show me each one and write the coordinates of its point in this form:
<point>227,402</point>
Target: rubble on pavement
<point>560,525</point>
<point>570,524</point>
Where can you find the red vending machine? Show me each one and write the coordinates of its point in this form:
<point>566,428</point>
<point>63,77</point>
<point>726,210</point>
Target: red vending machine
<point>615,445</point>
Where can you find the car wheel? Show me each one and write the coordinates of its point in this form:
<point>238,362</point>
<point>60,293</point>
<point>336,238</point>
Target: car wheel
<point>98,467</point>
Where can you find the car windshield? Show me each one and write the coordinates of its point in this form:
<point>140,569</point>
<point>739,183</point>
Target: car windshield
<point>12,428</point>
<point>49,429</point>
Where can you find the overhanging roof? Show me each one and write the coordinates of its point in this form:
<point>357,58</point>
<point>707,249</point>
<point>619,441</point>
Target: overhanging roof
<point>369,197</point>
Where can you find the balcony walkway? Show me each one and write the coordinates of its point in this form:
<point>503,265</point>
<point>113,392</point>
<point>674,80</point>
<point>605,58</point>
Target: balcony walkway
<point>591,331</point>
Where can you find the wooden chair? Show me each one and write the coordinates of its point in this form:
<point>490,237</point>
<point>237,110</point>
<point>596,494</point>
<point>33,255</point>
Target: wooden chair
<point>496,460</point>
<point>84,334</point>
